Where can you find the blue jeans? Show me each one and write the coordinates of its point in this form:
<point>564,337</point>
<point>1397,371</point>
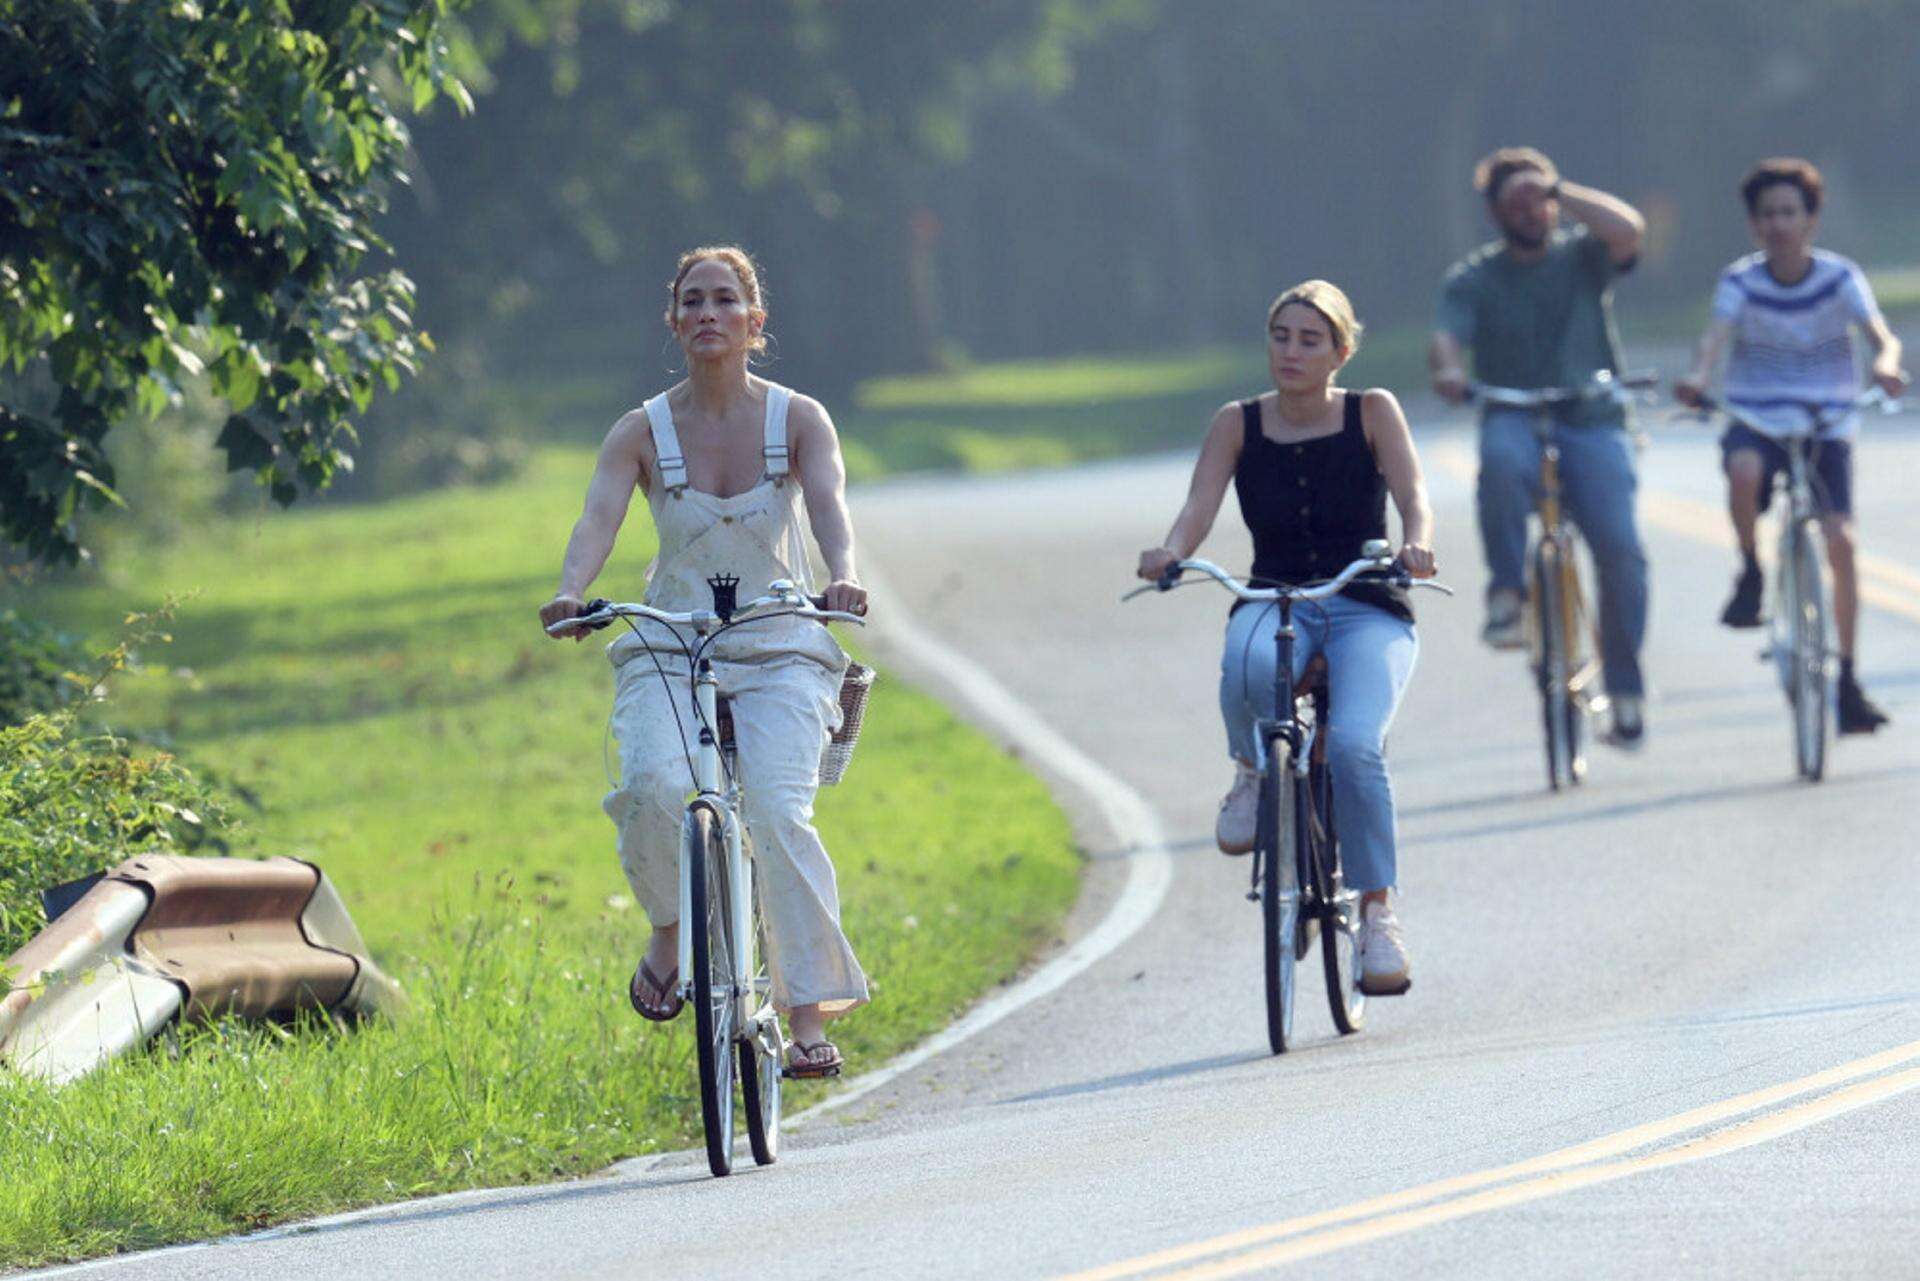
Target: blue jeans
<point>1598,484</point>
<point>1370,656</point>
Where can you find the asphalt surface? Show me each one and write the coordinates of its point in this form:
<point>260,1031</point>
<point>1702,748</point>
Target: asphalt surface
<point>1691,926</point>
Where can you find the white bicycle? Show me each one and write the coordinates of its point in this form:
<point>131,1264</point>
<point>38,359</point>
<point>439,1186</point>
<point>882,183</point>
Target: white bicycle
<point>1798,643</point>
<point>723,972</point>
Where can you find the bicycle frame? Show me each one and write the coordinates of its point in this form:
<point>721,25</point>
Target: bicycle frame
<point>1583,646</point>
<point>716,787</point>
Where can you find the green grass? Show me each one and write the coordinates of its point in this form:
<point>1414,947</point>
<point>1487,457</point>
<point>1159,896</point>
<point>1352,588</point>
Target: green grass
<point>375,674</point>
<point>1048,413</point>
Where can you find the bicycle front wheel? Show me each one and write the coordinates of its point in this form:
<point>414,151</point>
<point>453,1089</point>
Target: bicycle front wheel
<point>714,981</point>
<point>1807,625</point>
<point>1552,669</point>
<point>1275,847</point>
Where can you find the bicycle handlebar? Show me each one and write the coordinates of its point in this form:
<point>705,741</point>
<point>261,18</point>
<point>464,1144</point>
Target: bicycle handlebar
<point>600,613</point>
<point>1816,411</point>
<point>1605,385</point>
<point>1383,565</point>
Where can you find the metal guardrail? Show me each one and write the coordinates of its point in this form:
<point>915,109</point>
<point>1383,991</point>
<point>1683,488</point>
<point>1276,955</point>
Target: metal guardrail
<point>163,937</point>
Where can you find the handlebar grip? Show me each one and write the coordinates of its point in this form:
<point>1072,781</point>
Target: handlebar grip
<point>1166,581</point>
<point>820,603</point>
<point>594,606</point>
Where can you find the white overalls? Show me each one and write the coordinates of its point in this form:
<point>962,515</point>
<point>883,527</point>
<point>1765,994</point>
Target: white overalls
<point>783,679</point>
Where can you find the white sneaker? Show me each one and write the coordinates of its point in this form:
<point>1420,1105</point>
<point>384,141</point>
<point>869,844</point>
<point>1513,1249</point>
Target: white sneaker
<point>1384,967</point>
<point>1239,813</point>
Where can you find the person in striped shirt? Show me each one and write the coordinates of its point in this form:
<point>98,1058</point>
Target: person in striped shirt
<point>1785,317</point>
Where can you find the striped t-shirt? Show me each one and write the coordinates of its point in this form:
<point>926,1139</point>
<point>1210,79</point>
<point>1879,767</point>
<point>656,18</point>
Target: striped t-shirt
<point>1794,342</point>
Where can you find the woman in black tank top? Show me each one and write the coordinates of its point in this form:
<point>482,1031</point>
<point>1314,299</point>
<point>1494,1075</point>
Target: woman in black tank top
<point>1313,465</point>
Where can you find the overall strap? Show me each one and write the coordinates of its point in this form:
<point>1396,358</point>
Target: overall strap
<point>774,451</point>
<point>666,446</point>
<point>1250,419</point>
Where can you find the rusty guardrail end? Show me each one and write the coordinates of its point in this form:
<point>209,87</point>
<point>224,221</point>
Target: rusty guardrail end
<point>165,936</point>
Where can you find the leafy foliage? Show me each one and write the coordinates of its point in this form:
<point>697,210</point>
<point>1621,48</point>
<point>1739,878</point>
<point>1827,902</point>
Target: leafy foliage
<point>37,665</point>
<point>75,800</point>
<point>191,187</point>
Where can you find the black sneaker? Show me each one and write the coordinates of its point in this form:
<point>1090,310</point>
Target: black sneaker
<point>1858,715</point>
<point>1744,609</point>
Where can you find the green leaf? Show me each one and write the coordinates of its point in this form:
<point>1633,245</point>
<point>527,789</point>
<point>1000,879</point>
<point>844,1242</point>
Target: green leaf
<point>247,449</point>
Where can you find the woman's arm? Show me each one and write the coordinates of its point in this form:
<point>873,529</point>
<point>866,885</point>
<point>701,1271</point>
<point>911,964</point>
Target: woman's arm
<point>823,482</point>
<point>1393,452</point>
<point>1218,457</point>
<point>616,473</point>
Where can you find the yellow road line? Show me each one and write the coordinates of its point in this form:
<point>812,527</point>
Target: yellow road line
<point>1550,1165</point>
<point>1746,1134</point>
<point>1884,584</point>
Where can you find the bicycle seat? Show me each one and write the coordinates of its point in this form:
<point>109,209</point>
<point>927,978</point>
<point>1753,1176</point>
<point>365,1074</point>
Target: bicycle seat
<point>1315,677</point>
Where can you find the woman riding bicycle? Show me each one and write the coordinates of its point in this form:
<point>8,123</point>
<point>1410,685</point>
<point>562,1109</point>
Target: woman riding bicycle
<point>1312,464</point>
<point>713,455</point>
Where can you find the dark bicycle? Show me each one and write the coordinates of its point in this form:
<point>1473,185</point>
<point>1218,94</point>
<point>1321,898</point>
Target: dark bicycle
<point>1297,877</point>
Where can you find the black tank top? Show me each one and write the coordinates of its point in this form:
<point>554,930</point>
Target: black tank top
<point>1312,503</point>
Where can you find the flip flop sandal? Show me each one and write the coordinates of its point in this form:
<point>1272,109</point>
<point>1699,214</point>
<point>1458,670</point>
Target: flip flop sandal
<point>808,1068</point>
<point>661,987</point>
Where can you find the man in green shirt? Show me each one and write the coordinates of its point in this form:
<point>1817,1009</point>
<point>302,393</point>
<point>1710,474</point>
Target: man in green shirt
<point>1536,308</point>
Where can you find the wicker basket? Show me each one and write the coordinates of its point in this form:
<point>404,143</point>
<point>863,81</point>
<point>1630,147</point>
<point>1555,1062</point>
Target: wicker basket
<point>855,686</point>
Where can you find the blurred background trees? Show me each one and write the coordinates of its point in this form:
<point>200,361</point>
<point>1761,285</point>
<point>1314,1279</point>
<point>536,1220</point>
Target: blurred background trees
<point>927,184</point>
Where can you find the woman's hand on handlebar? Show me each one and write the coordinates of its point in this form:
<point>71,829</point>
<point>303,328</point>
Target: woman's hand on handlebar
<point>1155,562</point>
<point>845,596</point>
<point>560,608</point>
<point>1417,559</point>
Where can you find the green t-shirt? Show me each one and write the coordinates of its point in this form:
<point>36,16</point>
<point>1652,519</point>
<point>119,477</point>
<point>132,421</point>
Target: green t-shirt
<point>1546,323</point>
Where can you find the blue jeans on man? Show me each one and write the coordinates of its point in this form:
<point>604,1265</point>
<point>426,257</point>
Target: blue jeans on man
<point>1598,485</point>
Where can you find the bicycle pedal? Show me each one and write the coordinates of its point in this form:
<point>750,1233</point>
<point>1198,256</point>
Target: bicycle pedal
<point>791,1075</point>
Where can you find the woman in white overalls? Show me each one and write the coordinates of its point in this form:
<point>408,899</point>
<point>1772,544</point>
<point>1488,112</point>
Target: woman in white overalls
<point>725,460</point>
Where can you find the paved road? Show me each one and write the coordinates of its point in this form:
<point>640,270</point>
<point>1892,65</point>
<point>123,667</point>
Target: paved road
<point>1633,967</point>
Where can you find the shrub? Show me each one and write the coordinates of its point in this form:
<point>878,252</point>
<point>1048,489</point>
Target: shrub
<point>37,666</point>
<point>76,799</point>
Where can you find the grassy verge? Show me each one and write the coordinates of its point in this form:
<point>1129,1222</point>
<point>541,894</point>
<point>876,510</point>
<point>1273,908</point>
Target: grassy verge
<point>1049,413</point>
<point>374,673</point>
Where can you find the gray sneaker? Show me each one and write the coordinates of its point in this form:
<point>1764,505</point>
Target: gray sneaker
<point>1239,812</point>
<point>1505,627</point>
<point>1384,967</point>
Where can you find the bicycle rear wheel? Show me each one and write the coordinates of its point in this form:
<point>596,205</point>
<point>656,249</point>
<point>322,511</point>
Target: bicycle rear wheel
<point>1807,625</point>
<point>1340,908</point>
<point>1275,847</point>
<point>760,1098</point>
<point>760,1062</point>
<point>713,981</point>
<point>1552,670</point>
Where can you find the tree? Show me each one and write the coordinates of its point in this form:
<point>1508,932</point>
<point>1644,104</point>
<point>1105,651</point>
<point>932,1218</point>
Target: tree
<point>191,187</point>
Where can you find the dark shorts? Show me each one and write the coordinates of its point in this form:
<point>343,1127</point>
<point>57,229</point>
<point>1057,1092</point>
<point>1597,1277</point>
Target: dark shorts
<point>1832,467</point>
